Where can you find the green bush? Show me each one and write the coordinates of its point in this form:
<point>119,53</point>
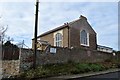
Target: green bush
<point>63,69</point>
<point>83,67</point>
<point>89,67</point>
<point>96,67</point>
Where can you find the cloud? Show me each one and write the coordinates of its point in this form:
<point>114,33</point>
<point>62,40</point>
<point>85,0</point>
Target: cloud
<point>60,0</point>
<point>102,17</point>
<point>20,18</point>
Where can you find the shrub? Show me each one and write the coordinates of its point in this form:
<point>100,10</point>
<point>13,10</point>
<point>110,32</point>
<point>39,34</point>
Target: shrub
<point>83,67</point>
<point>96,67</point>
<point>63,69</point>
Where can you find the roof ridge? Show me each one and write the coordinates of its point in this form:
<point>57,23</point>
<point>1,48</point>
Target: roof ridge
<point>58,28</point>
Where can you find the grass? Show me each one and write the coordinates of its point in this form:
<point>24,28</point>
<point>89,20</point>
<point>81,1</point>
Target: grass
<point>64,69</point>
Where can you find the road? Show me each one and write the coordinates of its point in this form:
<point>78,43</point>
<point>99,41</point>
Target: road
<point>108,76</point>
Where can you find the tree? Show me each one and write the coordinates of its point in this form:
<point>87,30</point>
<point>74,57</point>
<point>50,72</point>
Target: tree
<point>2,33</point>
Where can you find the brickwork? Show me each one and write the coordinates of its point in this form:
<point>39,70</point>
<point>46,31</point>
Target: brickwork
<point>76,27</point>
<point>65,37</point>
<point>1,60</point>
<point>10,68</point>
<point>81,55</point>
<point>61,55</point>
<point>71,36</point>
<point>26,59</point>
<point>50,38</point>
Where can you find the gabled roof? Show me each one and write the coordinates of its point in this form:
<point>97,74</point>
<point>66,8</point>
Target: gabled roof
<point>58,28</point>
<point>63,26</point>
<point>53,30</point>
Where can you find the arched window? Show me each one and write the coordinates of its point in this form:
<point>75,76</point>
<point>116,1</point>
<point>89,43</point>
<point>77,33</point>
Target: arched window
<point>84,38</point>
<point>58,40</point>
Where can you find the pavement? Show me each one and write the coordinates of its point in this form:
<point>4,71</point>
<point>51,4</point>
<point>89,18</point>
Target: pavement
<point>77,76</point>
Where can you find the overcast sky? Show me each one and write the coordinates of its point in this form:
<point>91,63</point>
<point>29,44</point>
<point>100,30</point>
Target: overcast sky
<point>19,16</point>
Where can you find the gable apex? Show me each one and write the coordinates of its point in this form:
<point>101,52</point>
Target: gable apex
<point>82,17</point>
<point>68,24</point>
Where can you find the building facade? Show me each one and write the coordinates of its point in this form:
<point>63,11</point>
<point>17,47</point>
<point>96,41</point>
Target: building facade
<point>78,33</point>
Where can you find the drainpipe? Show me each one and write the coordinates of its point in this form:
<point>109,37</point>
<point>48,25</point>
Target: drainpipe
<point>68,36</point>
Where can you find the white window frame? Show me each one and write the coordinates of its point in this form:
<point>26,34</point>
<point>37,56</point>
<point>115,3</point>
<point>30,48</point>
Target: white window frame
<point>58,43</point>
<point>87,39</point>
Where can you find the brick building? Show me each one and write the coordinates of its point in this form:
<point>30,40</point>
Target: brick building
<point>77,33</point>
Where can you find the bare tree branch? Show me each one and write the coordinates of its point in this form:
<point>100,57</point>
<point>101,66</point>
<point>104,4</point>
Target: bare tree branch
<point>3,30</point>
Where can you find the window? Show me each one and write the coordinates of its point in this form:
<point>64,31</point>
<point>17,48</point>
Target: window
<point>84,38</point>
<point>58,40</point>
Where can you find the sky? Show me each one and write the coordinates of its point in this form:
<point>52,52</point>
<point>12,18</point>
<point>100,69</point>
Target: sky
<point>20,18</point>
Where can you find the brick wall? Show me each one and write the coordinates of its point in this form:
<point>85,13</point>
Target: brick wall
<point>1,75</point>
<point>10,68</point>
<point>71,36</point>
<point>26,59</point>
<point>63,55</point>
<point>50,38</point>
<point>75,29</point>
<point>14,67</point>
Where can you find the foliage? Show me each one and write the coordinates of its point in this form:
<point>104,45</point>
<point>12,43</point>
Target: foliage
<point>9,44</point>
<point>96,67</point>
<point>63,69</point>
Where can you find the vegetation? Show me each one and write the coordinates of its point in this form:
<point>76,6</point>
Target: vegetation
<point>9,44</point>
<point>65,69</point>
<point>69,68</point>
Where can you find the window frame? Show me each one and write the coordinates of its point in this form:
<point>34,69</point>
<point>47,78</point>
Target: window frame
<point>58,39</point>
<point>87,38</point>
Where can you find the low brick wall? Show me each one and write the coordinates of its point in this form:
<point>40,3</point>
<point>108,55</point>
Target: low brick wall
<point>61,55</point>
<point>14,67</point>
<point>26,59</point>
<point>10,68</point>
<point>1,75</point>
<point>64,55</point>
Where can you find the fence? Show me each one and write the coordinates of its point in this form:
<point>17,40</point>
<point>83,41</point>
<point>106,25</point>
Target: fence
<point>10,52</point>
<point>13,64</point>
<point>10,61</point>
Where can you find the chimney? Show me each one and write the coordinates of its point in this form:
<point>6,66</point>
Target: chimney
<point>66,23</point>
<point>83,17</point>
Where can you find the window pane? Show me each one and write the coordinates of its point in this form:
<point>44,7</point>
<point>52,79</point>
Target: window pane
<point>58,39</point>
<point>83,37</point>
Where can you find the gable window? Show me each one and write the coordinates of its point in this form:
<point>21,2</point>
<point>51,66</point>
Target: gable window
<point>84,38</point>
<point>58,40</point>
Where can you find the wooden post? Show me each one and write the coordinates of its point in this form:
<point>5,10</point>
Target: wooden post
<point>35,34</point>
